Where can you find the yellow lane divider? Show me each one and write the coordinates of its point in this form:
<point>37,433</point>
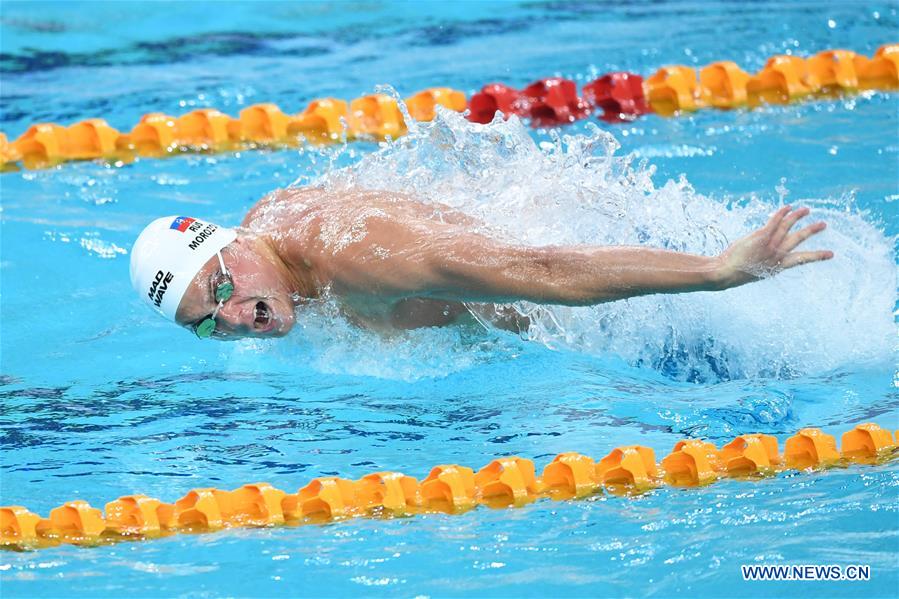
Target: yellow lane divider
<point>156,135</point>
<point>670,91</point>
<point>449,488</point>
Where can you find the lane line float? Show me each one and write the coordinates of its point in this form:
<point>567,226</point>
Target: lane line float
<point>614,97</point>
<point>448,488</point>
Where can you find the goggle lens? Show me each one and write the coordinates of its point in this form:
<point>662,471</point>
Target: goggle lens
<point>223,291</point>
<point>206,328</point>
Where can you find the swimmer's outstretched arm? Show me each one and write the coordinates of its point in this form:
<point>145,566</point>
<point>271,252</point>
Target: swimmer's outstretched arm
<point>475,268</point>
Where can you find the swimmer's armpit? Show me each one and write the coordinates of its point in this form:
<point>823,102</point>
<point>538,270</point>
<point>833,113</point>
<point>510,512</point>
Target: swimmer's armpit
<point>476,268</point>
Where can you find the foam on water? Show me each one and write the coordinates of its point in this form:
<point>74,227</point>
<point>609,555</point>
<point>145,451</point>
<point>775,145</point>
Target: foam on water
<point>575,190</point>
<point>331,343</point>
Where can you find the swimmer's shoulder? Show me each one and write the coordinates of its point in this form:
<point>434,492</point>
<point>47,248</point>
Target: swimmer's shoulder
<point>267,208</point>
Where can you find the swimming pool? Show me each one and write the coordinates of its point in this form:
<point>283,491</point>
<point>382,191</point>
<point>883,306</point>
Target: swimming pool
<point>101,398</point>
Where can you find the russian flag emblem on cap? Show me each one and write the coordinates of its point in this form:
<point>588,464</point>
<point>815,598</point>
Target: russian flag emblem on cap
<point>181,223</point>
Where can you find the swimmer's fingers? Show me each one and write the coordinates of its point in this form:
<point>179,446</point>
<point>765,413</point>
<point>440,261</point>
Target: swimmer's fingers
<point>797,258</point>
<point>771,226</point>
<point>786,224</point>
<point>794,239</point>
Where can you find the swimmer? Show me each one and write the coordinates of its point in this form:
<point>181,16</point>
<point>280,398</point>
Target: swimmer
<point>395,263</point>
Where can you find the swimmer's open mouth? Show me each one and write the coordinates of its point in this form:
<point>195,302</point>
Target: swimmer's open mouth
<point>262,316</point>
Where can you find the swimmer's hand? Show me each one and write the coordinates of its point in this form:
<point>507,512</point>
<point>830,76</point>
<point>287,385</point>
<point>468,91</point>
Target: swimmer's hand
<point>769,250</point>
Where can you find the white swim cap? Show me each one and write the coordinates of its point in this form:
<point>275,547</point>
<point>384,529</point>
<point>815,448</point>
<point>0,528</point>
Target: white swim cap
<point>168,254</point>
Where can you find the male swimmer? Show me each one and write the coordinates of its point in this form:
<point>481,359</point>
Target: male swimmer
<point>395,262</point>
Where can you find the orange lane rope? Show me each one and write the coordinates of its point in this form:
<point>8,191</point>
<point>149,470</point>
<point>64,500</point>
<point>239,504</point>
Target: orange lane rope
<point>670,91</point>
<point>504,482</point>
<point>156,135</point>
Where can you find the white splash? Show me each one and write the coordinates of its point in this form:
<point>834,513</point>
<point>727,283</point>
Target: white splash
<point>810,320</point>
<point>331,343</point>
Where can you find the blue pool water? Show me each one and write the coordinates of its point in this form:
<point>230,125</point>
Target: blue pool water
<point>101,398</point>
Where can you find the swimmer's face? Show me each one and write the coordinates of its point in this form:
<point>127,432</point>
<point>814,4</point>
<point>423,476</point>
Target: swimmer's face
<point>260,306</point>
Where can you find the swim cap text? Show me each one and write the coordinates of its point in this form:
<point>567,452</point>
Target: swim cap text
<point>202,236</point>
<point>159,286</point>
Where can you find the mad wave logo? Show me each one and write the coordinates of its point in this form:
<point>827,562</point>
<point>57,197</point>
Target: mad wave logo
<point>182,223</point>
<point>159,286</point>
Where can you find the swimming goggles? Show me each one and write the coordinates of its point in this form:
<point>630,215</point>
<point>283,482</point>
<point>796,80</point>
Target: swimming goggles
<point>224,289</point>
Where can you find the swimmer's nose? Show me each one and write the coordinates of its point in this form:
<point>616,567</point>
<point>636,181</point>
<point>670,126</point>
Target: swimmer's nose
<point>235,318</point>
